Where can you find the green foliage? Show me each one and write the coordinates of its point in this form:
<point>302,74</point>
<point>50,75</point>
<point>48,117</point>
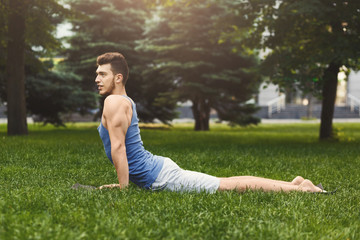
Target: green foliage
<point>49,93</point>
<point>37,172</point>
<point>305,37</point>
<point>41,20</point>
<point>56,92</point>
<point>109,26</point>
<point>187,48</point>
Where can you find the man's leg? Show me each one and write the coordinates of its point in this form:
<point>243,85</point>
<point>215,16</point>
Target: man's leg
<point>296,181</point>
<point>242,183</point>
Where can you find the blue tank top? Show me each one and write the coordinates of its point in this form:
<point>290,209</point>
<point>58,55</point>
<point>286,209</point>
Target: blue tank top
<point>144,167</point>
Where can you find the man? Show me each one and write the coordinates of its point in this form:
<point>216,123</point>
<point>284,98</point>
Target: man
<point>120,134</point>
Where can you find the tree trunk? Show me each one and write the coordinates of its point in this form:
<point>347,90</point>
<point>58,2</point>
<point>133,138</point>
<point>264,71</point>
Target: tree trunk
<point>328,100</point>
<point>15,68</point>
<point>201,112</point>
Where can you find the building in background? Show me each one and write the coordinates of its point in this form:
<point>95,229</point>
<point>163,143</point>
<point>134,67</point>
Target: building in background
<point>275,104</point>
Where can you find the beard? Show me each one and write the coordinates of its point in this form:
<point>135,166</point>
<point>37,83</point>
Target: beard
<point>110,89</point>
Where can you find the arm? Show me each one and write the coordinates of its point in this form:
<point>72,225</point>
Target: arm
<point>117,116</point>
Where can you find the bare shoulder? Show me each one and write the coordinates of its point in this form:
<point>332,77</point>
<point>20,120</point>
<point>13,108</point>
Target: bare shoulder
<point>117,111</point>
<point>116,103</point>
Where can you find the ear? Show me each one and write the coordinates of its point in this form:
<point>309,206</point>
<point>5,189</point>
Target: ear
<point>119,78</point>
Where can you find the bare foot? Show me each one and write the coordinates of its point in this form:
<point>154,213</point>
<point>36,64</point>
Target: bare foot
<point>298,180</point>
<point>308,186</point>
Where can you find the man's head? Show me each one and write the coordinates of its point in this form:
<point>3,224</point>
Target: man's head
<point>117,62</point>
<point>112,72</point>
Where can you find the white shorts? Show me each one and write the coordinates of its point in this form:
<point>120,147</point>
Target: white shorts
<point>173,178</point>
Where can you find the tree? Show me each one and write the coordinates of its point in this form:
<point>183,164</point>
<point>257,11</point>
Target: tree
<point>15,67</point>
<point>315,37</point>
<point>55,92</point>
<point>109,26</point>
<point>26,34</point>
<point>189,52</point>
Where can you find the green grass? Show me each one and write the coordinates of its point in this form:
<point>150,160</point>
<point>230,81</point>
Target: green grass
<point>37,171</point>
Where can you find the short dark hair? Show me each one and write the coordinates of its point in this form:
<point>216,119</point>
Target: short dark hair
<point>117,62</point>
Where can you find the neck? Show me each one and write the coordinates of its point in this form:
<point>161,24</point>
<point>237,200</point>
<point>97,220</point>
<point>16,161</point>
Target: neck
<point>119,91</point>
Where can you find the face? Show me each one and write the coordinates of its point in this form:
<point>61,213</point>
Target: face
<point>105,79</point>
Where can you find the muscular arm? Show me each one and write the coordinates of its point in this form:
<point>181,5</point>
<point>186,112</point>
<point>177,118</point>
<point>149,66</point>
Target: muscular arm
<point>117,117</point>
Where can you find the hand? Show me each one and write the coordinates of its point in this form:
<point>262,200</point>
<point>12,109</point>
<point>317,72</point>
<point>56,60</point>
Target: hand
<point>109,186</point>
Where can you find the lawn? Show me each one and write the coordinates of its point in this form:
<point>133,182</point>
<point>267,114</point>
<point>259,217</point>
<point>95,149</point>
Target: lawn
<point>37,172</point>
